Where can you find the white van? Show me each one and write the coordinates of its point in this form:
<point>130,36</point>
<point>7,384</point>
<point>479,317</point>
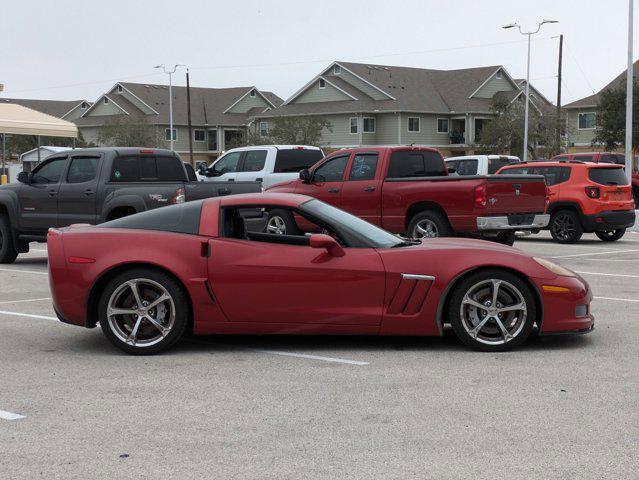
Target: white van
<point>269,164</point>
<point>480,164</point>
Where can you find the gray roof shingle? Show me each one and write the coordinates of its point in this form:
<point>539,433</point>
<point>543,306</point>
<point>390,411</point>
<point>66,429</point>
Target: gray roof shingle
<point>56,108</point>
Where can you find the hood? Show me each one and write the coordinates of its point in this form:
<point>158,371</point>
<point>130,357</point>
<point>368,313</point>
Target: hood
<point>282,187</point>
<point>453,243</point>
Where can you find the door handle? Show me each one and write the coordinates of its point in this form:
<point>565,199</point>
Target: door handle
<point>333,190</point>
<point>52,193</point>
<point>88,191</point>
<point>369,189</point>
<point>223,191</point>
<point>230,180</point>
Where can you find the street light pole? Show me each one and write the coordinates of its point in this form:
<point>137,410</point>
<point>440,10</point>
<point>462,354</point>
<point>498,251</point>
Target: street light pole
<point>529,35</point>
<point>629,87</point>
<point>170,73</point>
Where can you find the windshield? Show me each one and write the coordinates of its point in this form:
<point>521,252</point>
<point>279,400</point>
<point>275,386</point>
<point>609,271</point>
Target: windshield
<point>356,230</point>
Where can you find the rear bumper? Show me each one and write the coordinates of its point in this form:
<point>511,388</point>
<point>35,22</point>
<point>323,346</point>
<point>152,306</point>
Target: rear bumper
<point>610,220</point>
<point>533,222</point>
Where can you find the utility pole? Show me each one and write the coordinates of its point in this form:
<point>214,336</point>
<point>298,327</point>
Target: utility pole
<point>188,113</point>
<point>629,85</point>
<point>561,49</point>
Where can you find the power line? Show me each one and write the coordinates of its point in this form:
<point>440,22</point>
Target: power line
<point>583,74</point>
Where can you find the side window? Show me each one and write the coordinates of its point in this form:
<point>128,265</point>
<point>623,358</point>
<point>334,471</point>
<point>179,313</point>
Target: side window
<point>228,163</point>
<point>126,169</point>
<point>553,175</point>
<point>407,163</point>
<point>560,157</point>
<point>49,172</point>
<point>363,167</point>
<point>495,164</point>
<point>82,169</point>
<point>170,169</point>
<point>332,170</point>
<point>254,160</point>
<point>467,167</point>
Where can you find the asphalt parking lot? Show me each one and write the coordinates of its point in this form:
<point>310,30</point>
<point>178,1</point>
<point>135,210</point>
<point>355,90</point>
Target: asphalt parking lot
<point>71,406</point>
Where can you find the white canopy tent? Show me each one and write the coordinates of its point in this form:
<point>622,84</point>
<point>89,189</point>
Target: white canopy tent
<point>18,120</point>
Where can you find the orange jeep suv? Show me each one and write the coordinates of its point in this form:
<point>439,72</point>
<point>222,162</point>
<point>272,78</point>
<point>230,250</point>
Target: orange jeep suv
<point>583,197</point>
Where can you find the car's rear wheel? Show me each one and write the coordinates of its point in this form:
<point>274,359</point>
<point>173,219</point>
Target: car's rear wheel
<point>492,310</point>
<point>565,227</point>
<point>429,225</point>
<point>611,235</point>
<point>143,311</point>
<point>8,253</point>
<point>281,222</point>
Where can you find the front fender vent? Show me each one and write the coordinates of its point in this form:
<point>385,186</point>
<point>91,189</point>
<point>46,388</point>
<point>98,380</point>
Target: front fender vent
<point>410,294</point>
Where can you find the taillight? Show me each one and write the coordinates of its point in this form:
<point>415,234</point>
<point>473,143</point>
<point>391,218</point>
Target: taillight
<point>179,196</point>
<point>547,195</point>
<point>480,196</point>
<point>593,192</point>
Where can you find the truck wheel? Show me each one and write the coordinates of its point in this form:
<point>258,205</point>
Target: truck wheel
<point>281,222</point>
<point>506,238</point>
<point>565,227</point>
<point>612,235</point>
<point>429,224</point>
<point>635,195</point>
<point>8,251</point>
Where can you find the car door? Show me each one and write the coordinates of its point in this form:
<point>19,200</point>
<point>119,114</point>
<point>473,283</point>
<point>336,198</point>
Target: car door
<point>360,191</point>
<point>39,198</point>
<point>327,181</point>
<point>225,167</point>
<point>77,196</point>
<point>251,167</point>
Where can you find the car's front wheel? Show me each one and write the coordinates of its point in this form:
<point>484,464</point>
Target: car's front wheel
<point>611,235</point>
<point>143,311</point>
<point>492,310</point>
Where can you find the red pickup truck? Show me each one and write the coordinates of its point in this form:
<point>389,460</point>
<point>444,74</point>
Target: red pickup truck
<point>407,190</point>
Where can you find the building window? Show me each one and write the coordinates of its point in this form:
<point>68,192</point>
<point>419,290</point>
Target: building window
<point>263,129</point>
<point>105,100</point>
<point>322,83</point>
<point>498,75</point>
<point>119,88</point>
<point>167,134</point>
<point>413,124</point>
<point>337,69</point>
<point>442,125</point>
<point>587,120</point>
<point>369,125</point>
<point>252,94</point>
<point>353,123</point>
<point>199,135</point>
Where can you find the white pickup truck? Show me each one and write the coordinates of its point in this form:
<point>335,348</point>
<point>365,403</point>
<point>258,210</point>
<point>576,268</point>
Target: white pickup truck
<point>479,164</point>
<point>269,164</point>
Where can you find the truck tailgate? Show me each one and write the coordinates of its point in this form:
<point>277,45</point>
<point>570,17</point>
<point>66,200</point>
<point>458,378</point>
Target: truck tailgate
<point>512,194</point>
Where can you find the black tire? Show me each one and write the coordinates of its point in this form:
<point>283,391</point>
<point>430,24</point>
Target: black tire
<point>490,337</point>
<point>148,280</point>
<point>429,224</point>
<point>611,236</point>
<point>281,222</point>
<point>8,252</point>
<point>506,238</point>
<point>565,226</point>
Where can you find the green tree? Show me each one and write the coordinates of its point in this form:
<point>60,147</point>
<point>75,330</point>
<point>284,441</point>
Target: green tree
<point>610,130</point>
<point>130,132</point>
<point>295,130</point>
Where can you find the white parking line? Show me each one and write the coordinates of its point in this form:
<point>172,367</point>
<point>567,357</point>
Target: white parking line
<point>23,271</point>
<point>632,300</point>
<point>29,300</point>
<point>609,252</point>
<point>608,274</point>
<point>28,315</point>
<point>10,416</point>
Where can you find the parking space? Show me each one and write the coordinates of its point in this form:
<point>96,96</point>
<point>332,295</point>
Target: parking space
<point>324,407</point>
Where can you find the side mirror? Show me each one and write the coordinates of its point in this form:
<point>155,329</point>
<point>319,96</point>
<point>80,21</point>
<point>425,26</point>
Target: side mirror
<point>319,240</point>
<point>201,168</point>
<point>305,176</point>
<point>24,177</point>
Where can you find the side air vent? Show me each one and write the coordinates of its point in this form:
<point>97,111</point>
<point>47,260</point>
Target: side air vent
<point>410,294</point>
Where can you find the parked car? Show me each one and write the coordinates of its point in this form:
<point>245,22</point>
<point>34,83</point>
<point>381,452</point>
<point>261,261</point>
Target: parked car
<point>93,186</point>
<point>407,190</point>
<point>595,157</point>
<point>479,164</point>
<point>148,278</point>
<point>583,197</point>
<point>269,164</point>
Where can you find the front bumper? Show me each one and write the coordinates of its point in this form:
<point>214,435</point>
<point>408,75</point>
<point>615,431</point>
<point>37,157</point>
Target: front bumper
<point>609,220</point>
<point>513,222</point>
<point>567,311</point>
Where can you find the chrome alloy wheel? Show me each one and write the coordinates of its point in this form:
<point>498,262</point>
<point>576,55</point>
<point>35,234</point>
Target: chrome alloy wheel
<point>141,312</point>
<point>493,312</point>
<point>426,229</point>
<point>276,225</point>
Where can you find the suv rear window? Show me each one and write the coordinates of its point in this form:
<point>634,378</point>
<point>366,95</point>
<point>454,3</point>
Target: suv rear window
<point>608,176</point>
<point>147,168</point>
<point>410,163</point>
<point>292,160</point>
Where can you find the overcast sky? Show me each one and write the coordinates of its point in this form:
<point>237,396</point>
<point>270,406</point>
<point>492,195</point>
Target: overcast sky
<point>69,49</point>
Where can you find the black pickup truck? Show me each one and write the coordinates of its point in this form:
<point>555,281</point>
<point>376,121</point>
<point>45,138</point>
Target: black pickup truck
<point>96,185</point>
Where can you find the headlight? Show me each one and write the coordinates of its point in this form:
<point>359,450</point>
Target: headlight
<point>554,268</point>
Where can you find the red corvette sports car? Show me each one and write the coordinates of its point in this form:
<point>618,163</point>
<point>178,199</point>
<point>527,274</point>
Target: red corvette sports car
<point>214,268</point>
